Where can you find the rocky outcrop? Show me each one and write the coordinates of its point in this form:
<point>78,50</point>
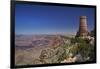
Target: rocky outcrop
<point>52,55</point>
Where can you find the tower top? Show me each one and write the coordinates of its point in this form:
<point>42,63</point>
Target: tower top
<point>83,17</point>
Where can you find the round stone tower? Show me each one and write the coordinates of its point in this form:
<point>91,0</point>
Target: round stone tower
<point>83,30</point>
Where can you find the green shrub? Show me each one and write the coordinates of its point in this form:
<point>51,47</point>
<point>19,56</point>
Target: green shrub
<point>77,40</point>
<point>83,47</point>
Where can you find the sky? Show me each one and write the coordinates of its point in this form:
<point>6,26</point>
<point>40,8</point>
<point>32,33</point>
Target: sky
<point>36,19</point>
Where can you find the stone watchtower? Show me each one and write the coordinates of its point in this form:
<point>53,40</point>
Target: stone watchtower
<point>83,29</point>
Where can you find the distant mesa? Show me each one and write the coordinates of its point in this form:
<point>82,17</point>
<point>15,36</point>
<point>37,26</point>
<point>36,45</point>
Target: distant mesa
<point>83,28</point>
